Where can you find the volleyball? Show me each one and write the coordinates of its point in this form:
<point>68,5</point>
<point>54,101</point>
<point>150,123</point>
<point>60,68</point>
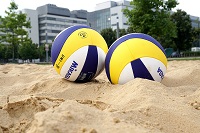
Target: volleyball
<point>135,55</point>
<point>78,53</point>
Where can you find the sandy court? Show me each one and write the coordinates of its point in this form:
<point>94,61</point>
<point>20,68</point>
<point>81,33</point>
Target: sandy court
<point>35,99</point>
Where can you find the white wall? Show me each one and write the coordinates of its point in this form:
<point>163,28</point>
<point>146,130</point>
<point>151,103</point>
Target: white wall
<point>105,5</point>
<point>121,17</point>
<point>195,49</point>
<point>32,16</point>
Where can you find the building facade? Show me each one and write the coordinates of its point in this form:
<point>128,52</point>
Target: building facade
<point>49,20</point>
<point>195,24</point>
<point>195,21</point>
<point>32,16</point>
<point>108,15</point>
<point>52,20</point>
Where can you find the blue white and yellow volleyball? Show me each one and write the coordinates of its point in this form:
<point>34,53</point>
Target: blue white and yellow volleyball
<point>78,53</point>
<point>135,55</point>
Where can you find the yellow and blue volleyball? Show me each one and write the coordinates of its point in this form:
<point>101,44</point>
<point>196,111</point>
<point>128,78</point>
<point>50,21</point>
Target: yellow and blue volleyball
<point>78,53</point>
<point>135,55</point>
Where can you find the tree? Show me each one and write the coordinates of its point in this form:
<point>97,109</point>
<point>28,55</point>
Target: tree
<point>195,37</point>
<point>152,17</point>
<point>130,30</point>
<point>28,50</point>
<point>6,52</point>
<point>184,30</point>
<point>13,25</point>
<point>9,24</point>
<point>2,51</point>
<point>20,31</point>
<point>122,32</point>
<point>41,52</point>
<point>109,35</point>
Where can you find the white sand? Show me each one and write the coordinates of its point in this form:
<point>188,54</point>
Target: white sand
<point>35,99</point>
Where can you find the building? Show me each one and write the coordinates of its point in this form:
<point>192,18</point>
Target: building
<point>109,15</point>
<point>49,20</point>
<point>32,16</point>
<point>195,21</point>
<point>52,20</point>
<point>195,24</point>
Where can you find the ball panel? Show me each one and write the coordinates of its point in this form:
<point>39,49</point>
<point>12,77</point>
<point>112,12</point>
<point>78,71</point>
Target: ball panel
<point>143,48</point>
<point>155,67</point>
<point>90,66</point>
<point>127,37</point>
<point>60,40</point>
<point>79,38</point>
<point>98,40</point>
<point>110,53</point>
<point>139,70</point>
<point>131,50</point>
<point>119,59</point>
<point>146,56</point>
<point>101,61</point>
<point>126,74</point>
<point>76,63</point>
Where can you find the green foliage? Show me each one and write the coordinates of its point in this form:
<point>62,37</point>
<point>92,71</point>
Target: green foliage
<point>183,40</point>
<point>13,25</point>
<point>8,25</point>
<point>2,51</point>
<point>196,37</point>
<point>130,30</point>
<point>5,52</point>
<point>152,17</point>
<point>109,35</point>
<point>28,50</point>
<point>41,52</point>
<point>122,32</point>
<point>8,52</point>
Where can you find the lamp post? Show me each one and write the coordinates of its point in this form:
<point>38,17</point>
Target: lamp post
<point>46,46</point>
<point>117,30</point>
<point>46,49</point>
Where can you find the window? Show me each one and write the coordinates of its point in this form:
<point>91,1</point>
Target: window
<point>42,31</point>
<point>42,38</point>
<point>41,19</point>
<point>50,18</point>
<point>51,25</point>
<point>49,31</point>
<point>114,14</point>
<point>51,37</point>
<point>56,31</point>
<point>70,21</point>
<point>114,24</point>
<point>42,25</point>
<point>74,21</point>
<point>60,20</point>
